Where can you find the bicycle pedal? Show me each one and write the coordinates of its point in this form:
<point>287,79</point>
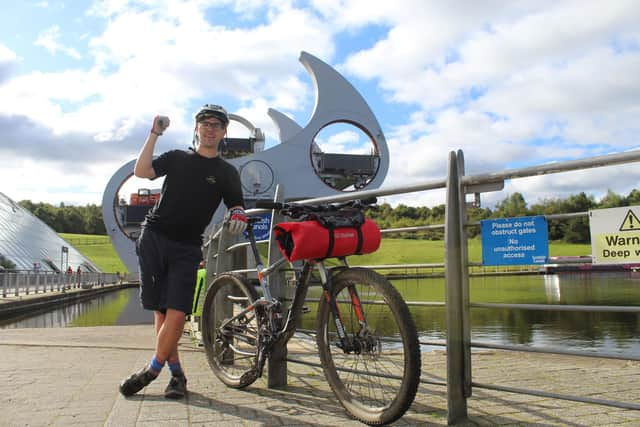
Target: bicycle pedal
<point>248,378</point>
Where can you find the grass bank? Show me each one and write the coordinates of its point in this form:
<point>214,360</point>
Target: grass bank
<point>98,249</point>
<point>409,251</point>
<point>392,251</point>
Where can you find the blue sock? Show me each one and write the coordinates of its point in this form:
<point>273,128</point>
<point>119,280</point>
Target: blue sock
<point>155,365</point>
<point>175,368</point>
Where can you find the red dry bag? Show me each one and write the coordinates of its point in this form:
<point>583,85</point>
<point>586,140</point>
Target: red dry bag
<point>319,238</point>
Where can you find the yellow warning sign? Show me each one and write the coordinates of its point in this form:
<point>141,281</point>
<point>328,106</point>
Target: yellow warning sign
<point>615,235</point>
<point>631,222</point>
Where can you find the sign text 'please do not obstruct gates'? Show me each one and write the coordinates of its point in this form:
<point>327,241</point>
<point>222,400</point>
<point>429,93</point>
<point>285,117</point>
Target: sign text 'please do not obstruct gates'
<point>515,241</point>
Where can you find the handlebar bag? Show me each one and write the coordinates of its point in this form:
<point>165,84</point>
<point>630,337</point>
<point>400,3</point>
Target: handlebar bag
<point>319,238</point>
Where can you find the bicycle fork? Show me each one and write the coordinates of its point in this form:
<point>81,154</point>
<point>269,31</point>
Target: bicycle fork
<point>347,344</point>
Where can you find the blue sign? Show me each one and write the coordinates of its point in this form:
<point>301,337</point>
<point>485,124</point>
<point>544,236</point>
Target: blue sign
<point>262,228</point>
<point>515,241</point>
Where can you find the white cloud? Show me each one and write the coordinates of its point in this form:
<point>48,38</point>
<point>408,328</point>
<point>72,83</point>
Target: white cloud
<point>6,54</point>
<point>8,60</point>
<point>49,40</point>
<point>151,59</point>
<point>510,84</point>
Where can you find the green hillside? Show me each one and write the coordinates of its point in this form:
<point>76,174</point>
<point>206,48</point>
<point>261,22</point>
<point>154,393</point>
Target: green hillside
<point>409,251</point>
<point>392,251</point>
<point>98,249</point>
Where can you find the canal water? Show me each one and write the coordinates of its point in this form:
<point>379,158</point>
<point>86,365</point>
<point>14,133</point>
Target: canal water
<point>113,308</point>
<point>592,331</point>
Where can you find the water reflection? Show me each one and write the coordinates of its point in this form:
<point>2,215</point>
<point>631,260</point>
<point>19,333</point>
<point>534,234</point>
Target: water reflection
<point>593,331</point>
<point>552,288</point>
<point>114,308</point>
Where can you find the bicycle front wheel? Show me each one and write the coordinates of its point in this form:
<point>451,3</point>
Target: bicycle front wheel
<point>377,379</point>
<point>229,334</point>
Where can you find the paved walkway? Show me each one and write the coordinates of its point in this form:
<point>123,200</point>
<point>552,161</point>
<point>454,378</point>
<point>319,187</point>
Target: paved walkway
<point>70,376</point>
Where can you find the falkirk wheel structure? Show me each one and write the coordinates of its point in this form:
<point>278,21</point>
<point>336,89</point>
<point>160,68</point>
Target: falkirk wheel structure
<point>298,164</point>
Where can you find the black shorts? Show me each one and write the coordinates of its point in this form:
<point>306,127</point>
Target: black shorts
<point>168,271</point>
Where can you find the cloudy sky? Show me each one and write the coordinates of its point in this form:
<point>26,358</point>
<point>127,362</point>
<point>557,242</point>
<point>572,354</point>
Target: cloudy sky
<point>512,84</point>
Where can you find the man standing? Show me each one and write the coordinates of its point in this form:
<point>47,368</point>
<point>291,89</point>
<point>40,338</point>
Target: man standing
<point>169,246</point>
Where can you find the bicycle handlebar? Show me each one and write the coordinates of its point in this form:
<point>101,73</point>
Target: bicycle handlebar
<point>295,210</point>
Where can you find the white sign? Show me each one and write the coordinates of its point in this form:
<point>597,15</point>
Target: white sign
<point>615,235</point>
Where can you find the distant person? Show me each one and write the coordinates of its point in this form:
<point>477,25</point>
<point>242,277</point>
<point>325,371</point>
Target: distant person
<point>169,246</point>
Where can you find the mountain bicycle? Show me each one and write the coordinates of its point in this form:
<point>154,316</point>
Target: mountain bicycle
<point>366,338</point>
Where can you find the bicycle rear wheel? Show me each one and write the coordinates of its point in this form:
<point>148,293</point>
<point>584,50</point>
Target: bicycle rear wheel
<point>377,382</point>
<point>230,339</point>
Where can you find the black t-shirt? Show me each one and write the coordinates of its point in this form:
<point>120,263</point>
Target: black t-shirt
<point>191,193</point>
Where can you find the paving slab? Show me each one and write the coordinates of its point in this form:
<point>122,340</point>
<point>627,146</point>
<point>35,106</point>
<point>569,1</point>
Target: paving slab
<point>70,376</point>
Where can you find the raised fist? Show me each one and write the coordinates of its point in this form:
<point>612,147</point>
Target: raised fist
<point>160,124</point>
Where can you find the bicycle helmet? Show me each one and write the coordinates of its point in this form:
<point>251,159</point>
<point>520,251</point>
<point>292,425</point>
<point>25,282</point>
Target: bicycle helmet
<point>212,110</point>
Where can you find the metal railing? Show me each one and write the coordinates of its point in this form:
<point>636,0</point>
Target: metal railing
<point>221,248</point>
<point>459,373</point>
<point>19,283</point>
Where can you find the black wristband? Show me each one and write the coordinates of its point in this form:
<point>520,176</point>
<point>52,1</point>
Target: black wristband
<point>156,133</point>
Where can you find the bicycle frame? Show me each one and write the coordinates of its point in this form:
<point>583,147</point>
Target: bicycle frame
<point>286,331</point>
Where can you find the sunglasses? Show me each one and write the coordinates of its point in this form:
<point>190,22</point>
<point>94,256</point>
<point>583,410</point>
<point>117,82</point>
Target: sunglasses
<point>211,125</point>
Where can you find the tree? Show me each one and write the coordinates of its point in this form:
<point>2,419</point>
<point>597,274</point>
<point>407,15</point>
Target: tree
<point>579,203</point>
<point>633,198</point>
<point>6,263</point>
<point>612,200</point>
<point>45,213</point>
<point>74,221</point>
<point>93,220</point>
<point>512,206</point>
<point>577,231</point>
<point>555,228</point>
<point>68,219</point>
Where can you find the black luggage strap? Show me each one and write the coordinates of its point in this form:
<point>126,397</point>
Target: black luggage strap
<point>360,240</point>
<point>332,240</point>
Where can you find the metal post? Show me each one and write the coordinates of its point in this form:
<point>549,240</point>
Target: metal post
<point>224,261</point>
<point>17,283</point>
<point>4,276</point>
<point>456,400</point>
<point>464,284</point>
<point>277,362</point>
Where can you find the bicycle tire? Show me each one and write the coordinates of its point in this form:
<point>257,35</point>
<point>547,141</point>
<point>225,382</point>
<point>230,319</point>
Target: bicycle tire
<point>230,354</point>
<point>378,385</point>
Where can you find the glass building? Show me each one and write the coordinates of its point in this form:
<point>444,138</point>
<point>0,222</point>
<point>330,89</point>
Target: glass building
<point>31,244</point>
